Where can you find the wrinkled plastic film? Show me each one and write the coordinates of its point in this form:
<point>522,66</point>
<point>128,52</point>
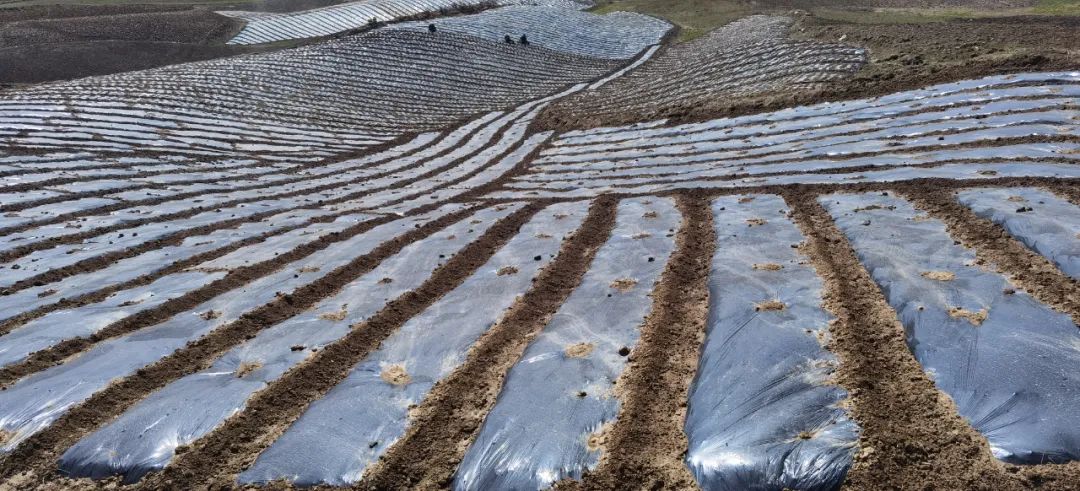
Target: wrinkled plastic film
<point>1007,360</point>
<point>355,423</point>
<point>145,437</point>
<point>1044,222</point>
<point>558,398</point>
<point>764,412</point>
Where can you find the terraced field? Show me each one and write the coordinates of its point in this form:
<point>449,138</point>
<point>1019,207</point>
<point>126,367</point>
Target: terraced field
<point>358,263</point>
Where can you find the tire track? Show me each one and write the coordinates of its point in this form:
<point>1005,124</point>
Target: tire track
<point>215,459</point>
<point>992,244</point>
<point>39,453</point>
<point>447,421</point>
<point>647,442</point>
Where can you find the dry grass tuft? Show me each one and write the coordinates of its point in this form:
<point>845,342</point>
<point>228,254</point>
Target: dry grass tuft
<point>395,375</point>
<point>579,350</point>
<point>770,305</point>
<point>624,284</point>
<point>975,318</point>
<point>939,275</point>
<point>246,368</point>
<point>335,316</point>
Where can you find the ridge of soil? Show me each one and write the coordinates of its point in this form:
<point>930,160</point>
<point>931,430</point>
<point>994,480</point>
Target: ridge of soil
<point>647,443</point>
<point>216,458</point>
<point>448,421</point>
<point>910,433</point>
<point>38,454</point>
<point>994,245</point>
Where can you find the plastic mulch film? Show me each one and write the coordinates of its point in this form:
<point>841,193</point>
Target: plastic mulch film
<point>34,402</point>
<point>146,436</point>
<point>1044,222</point>
<point>1007,360</point>
<point>343,433</point>
<point>548,421</point>
<point>764,412</point>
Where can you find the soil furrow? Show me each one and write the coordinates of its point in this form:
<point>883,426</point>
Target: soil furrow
<point>647,443</point>
<point>147,202</point>
<point>215,459</point>
<point>235,279</point>
<point>176,238</point>
<point>446,423</point>
<point>1070,192</point>
<point>192,211</point>
<point>675,178</point>
<point>814,133</point>
<point>910,432</point>
<point>38,454</point>
<point>994,142</point>
<point>993,245</point>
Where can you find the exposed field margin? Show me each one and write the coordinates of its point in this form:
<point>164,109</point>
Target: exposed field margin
<point>911,434</point>
<point>992,244</point>
<point>216,459</point>
<point>36,457</point>
<point>645,446</point>
<point>447,422</point>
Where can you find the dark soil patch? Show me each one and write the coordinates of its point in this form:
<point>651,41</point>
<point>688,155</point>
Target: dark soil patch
<point>63,61</point>
<point>183,26</point>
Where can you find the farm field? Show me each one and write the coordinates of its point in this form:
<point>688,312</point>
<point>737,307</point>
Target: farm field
<point>541,244</point>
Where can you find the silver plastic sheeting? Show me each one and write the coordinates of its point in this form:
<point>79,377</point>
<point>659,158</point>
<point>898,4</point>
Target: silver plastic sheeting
<point>342,434</point>
<point>616,35</point>
<point>145,437</point>
<point>763,413</point>
<point>1044,222</point>
<point>35,402</point>
<point>560,393</point>
<point>1007,360</point>
<point>57,326</point>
